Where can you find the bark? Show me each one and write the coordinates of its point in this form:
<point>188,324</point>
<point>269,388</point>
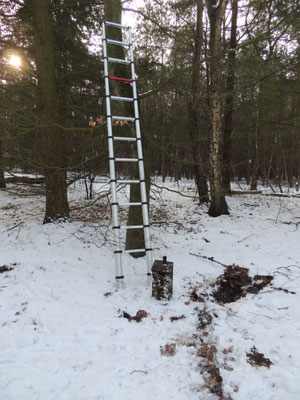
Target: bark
<point>134,237</point>
<point>255,160</point>
<point>163,158</point>
<point>2,180</point>
<point>216,14</point>
<point>279,162</point>
<point>293,170</point>
<point>57,207</point>
<point>113,13</point>
<point>291,161</point>
<point>200,178</point>
<point>163,171</point>
<point>228,118</point>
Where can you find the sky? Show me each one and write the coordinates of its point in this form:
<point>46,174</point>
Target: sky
<point>129,18</point>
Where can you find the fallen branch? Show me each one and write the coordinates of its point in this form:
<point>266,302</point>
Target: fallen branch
<point>15,226</point>
<point>247,237</point>
<point>25,179</point>
<point>233,192</point>
<point>209,259</point>
<point>297,196</point>
<point>173,191</point>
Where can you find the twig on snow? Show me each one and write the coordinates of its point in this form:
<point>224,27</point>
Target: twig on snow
<point>13,227</point>
<point>209,259</point>
<point>247,237</point>
<point>138,370</point>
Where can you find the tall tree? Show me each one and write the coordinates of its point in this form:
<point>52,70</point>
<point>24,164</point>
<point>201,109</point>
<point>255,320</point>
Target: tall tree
<point>228,117</point>
<point>216,14</point>
<point>194,107</point>
<point>57,207</point>
<point>2,180</point>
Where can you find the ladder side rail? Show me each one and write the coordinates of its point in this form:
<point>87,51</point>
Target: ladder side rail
<point>145,212</point>
<point>113,181</point>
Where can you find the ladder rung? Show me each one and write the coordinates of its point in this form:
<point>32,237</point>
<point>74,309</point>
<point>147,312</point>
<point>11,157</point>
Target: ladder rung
<point>120,118</point>
<point>117,42</point>
<point>127,181</point>
<point>118,60</point>
<point>135,251</point>
<point>108,23</point>
<point>127,159</point>
<point>118,98</point>
<point>129,204</point>
<point>125,139</point>
<point>132,227</point>
<point>117,78</point>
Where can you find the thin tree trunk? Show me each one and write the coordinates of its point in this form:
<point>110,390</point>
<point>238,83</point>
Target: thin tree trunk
<point>163,135</point>
<point>2,180</point>
<point>279,162</point>
<point>291,161</point>
<point>228,118</point>
<point>216,15</point>
<point>57,207</point>
<point>194,130</point>
<point>255,161</point>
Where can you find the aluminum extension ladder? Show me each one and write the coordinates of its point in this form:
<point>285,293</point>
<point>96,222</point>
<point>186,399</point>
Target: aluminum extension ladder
<point>112,159</point>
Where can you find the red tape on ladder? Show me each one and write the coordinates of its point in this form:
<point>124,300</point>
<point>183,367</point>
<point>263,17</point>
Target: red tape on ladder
<point>115,78</point>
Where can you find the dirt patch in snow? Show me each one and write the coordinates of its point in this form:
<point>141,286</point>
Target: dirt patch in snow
<point>172,319</point>
<point>138,317</point>
<point>207,353</point>
<point>168,349</point>
<point>194,296</point>
<point>6,268</point>
<point>257,359</point>
<point>236,283</point>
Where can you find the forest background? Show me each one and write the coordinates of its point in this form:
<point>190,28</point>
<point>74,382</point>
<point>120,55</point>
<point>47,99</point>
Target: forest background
<point>219,90</point>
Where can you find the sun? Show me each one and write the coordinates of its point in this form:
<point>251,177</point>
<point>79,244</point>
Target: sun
<point>15,61</point>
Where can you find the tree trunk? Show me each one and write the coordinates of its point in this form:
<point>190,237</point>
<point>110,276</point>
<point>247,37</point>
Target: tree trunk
<point>193,108</point>
<point>228,127</point>
<point>255,159</point>
<point>134,237</point>
<point>216,14</point>
<point>57,207</point>
<point>291,161</point>
<point>2,180</point>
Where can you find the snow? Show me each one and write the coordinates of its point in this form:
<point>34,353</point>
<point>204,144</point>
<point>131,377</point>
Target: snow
<point>63,338</point>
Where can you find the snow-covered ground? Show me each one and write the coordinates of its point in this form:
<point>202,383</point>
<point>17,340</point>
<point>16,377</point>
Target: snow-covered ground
<point>62,331</point>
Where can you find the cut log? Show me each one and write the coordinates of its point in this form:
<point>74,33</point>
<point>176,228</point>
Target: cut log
<point>162,282</point>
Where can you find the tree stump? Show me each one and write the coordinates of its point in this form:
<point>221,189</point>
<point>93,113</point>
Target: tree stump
<point>162,279</point>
